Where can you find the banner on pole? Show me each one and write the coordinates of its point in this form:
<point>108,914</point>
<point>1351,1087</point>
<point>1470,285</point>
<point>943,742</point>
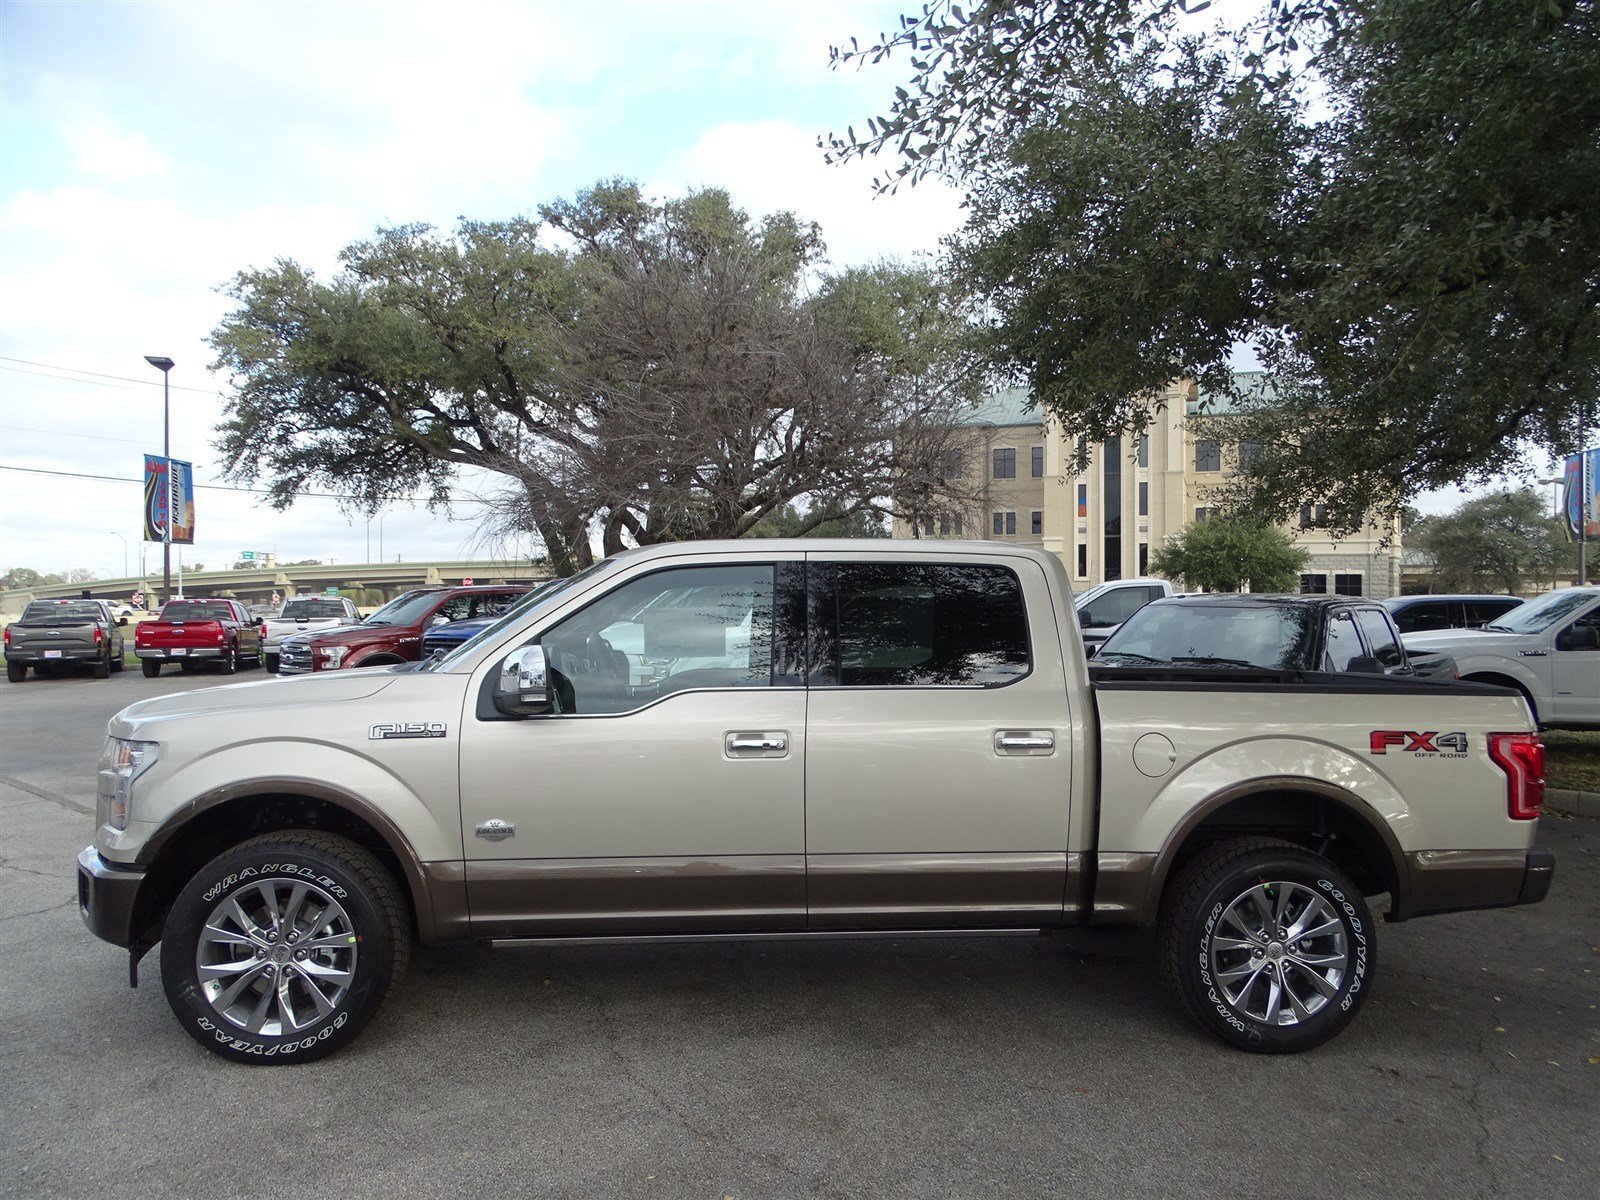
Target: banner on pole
<point>1580,495</point>
<point>159,499</point>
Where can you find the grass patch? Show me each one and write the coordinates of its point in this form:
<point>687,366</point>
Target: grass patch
<point>1572,759</point>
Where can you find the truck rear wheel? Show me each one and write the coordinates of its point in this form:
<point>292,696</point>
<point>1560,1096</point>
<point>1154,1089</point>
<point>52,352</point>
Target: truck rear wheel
<point>1267,945</point>
<point>281,949</point>
<point>150,666</point>
<point>16,672</point>
<point>229,663</point>
<point>102,666</point>
<point>272,663</point>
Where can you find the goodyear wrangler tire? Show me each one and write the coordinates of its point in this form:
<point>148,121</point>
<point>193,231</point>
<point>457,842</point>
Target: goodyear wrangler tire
<point>1267,945</point>
<point>281,949</point>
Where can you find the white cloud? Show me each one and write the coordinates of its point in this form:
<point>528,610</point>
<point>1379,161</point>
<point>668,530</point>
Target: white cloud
<point>771,165</point>
<point>103,153</point>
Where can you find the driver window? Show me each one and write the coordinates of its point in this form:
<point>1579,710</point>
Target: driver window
<point>1343,643</point>
<point>690,627</point>
<point>1381,639</point>
<point>453,609</point>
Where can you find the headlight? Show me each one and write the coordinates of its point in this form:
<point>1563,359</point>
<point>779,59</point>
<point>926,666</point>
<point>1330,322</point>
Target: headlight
<point>333,655</point>
<point>122,763</point>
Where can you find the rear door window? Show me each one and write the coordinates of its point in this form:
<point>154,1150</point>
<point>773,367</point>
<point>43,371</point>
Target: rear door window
<point>1381,641</point>
<point>917,625</point>
<point>1481,612</point>
<point>1344,643</point>
<point>1417,618</point>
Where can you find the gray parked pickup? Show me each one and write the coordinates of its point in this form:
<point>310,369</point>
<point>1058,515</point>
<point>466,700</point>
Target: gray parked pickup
<point>57,633</point>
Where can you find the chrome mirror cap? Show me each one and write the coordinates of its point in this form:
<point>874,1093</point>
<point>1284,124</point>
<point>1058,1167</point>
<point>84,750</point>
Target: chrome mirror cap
<point>523,688</point>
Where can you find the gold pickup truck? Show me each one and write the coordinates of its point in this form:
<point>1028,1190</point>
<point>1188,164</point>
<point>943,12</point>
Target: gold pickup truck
<point>798,739</point>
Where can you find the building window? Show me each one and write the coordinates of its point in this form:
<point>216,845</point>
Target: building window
<point>1248,453</point>
<point>954,465</point>
<point>1111,503</point>
<point>1347,585</point>
<point>1038,462</point>
<point>1005,463</point>
<point>1208,455</point>
<point>1314,585</point>
<point>1144,558</point>
<point>944,524</point>
<point>958,524</point>
<point>1144,499</point>
<point>1011,524</point>
<point>1083,501</point>
<point>1313,516</point>
<point>1083,560</point>
<point>1036,523</point>
<point>999,523</point>
<point>1201,514</point>
<point>1144,449</point>
<point>927,526</point>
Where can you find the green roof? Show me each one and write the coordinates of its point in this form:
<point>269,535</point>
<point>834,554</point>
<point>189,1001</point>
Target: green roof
<point>1009,406</point>
<point>1253,386</point>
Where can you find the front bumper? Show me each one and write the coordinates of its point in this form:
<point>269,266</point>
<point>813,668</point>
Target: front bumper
<point>178,653</point>
<point>107,893</point>
<point>1444,881</point>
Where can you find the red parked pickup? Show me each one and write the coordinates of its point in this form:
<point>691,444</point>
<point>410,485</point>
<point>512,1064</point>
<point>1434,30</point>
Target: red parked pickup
<point>393,634</point>
<point>191,632</point>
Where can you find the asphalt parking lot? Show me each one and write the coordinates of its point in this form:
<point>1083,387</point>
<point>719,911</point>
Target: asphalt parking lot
<point>960,1067</point>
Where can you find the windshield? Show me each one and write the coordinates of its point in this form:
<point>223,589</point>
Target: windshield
<point>537,598</point>
<point>1538,615</point>
<point>56,612</point>
<point>1274,637</point>
<point>313,610</point>
<point>406,609</point>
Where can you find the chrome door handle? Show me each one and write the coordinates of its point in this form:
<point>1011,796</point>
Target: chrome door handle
<point>1017,741</point>
<point>763,744</point>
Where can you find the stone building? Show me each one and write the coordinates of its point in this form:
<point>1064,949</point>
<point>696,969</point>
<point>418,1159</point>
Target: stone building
<point>1134,493</point>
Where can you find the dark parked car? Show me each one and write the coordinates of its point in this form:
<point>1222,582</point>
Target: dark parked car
<point>1275,633</point>
<point>1419,614</point>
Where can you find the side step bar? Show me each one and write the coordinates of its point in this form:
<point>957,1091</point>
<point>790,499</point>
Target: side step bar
<point>797,935</point>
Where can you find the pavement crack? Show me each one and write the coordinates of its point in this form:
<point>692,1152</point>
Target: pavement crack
<point>39,911</point>
<point>7,865</point>
<point>47,794</point>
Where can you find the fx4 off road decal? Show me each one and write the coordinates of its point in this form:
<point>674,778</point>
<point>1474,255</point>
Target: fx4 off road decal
<point>408,729</point>
<point>1430,745</point>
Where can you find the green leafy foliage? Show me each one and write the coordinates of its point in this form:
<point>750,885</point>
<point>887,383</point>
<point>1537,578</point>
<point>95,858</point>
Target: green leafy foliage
<point>1503,542</point>
<point>1224,554</point>
<point>645,371</point>
<point>1390,202</point>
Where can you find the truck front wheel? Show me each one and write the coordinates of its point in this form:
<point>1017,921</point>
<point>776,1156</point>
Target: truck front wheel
<point>1267,945</point>
<point>281,949</point>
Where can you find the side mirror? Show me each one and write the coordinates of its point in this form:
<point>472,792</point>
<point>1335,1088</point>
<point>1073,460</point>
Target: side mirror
<point>1366,664</point>
<point>1090,649</point>
<point>523,689</point>
<point>435,622</point>
<point>1579,637</point>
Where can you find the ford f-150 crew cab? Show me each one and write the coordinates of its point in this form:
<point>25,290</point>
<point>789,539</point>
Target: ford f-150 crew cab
<point>53,633</point>
<point>189,632</point>
<point>304,614</point>
<point>1548,649</point>
<point>833,737</point>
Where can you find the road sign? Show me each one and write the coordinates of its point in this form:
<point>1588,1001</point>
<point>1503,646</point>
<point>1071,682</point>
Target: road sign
<point>247,556</point>
<point>466,580</point>
<point>330,591</point>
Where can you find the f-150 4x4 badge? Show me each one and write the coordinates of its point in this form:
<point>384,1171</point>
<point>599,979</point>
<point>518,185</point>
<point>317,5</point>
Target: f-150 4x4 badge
<point>1446,745</point>
<point>408,729</point>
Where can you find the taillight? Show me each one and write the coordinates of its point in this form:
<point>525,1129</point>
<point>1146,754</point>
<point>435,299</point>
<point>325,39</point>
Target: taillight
<point>1521,757</point>
<point>8,635</point>
<point>99,635</point>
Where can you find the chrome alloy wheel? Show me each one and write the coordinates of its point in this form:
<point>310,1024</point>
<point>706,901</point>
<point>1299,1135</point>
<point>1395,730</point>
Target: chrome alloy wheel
<point>1279,952</point>
<point>276,957</point>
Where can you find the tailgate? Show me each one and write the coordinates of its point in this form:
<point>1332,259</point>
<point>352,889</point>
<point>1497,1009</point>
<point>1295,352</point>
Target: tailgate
<point>53,637</point>
<point>160,635</point>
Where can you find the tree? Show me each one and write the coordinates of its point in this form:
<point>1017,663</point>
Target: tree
<point>792,521</point>
<point>647,371</point>
<point>1223,554</point>
<point>1414,256</point>
<point>26,579</point>
<point>1505,542</point>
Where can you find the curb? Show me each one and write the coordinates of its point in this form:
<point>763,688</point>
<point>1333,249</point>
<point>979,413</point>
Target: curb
<point>1575,804</point>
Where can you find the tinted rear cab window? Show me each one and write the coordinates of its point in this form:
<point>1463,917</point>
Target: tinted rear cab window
<point>917,625</point>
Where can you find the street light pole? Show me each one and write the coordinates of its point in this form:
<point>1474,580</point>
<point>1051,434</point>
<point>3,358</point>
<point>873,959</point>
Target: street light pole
<point>1555,515</point>
<point>115,534</point>
<point>165,365</point>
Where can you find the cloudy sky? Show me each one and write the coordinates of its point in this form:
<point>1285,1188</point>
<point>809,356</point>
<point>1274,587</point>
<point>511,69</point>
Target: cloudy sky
<point>154,150</point>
